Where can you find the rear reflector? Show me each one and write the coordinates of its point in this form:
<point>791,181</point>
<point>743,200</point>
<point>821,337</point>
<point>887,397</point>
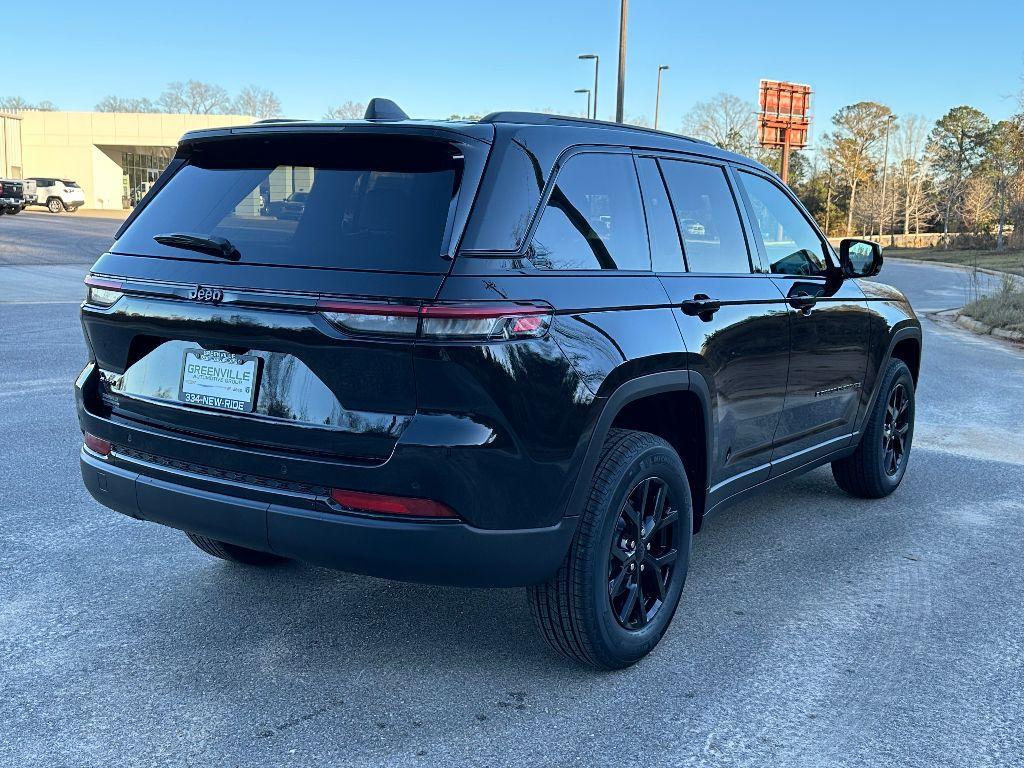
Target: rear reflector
<point>489,321</point>
<point>390,505</point>
<point>97,444</point>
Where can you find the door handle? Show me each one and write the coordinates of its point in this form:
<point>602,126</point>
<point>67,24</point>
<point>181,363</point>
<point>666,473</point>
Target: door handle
<point>701,305</point>
<point>802,300</point>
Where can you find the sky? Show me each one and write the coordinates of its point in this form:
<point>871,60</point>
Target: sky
<point>439,58</point>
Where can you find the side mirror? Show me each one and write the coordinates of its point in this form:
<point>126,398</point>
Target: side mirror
<point>860,258</point>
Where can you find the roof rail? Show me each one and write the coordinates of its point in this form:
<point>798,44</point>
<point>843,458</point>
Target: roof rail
<point>542,118</point>
<point>278,120</point>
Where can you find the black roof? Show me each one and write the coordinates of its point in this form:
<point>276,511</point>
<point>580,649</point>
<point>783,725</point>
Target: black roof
<point>613,133</point>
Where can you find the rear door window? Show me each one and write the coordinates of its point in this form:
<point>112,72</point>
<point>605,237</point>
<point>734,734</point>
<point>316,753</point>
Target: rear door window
<point>594,218</point>
<point>369,203</point>
<point>708,217</point>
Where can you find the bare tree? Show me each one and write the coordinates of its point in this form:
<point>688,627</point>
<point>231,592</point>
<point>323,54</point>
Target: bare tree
<point>14,103</point>
<point>979,204</point>
<point>725,120</point>
<point>350,110</point>
<point>910,166</point>
<point>258,102</point>
<point>122,104</point>
<point>195,98</point>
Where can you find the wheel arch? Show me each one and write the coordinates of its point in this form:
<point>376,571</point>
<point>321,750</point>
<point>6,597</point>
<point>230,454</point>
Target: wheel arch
<point>908,349</point>
<point>905,345</point>
<point>674,405</point>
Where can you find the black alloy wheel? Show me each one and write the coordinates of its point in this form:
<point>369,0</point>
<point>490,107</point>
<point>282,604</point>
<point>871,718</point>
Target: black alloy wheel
<point>643,552</point>
<point>895,428</point>
<point>877,465</point>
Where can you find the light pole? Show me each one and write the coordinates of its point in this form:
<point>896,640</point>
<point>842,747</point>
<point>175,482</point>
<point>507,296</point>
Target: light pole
<point>586,91</point>
<point>621,94</point>
<point>885,170</point>
<point>597,64</point>
<point>657,95</point>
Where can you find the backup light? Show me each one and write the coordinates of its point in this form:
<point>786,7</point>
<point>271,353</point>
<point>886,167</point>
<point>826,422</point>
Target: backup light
<point>485,321</point>
<point>101,292</point>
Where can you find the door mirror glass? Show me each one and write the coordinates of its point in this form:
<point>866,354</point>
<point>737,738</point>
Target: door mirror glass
<point>860,258</point>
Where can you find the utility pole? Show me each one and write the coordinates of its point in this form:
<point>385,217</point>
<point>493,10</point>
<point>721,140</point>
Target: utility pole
<point>597,66</point>
<point>621,95</point>
<point>885,172</point>
<point>657,96</point>
<point>786,149</point>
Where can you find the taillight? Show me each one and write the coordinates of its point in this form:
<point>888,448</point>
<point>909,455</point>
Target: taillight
<point>487,321</point>
<point>380,504</point>
<point>101,291</point>
<point>97,444</point>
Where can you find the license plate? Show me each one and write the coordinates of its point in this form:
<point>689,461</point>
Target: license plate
<point>215,379</point>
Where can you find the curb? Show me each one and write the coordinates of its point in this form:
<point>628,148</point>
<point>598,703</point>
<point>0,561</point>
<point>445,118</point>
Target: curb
<point>965,321</point>
<point>962,267</point>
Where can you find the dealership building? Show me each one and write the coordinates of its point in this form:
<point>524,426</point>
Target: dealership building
<point>115,157</point>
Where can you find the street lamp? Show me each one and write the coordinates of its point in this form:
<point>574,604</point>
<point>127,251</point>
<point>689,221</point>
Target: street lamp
<point>597,64</point>
<point>586,91</point>
<point>657,96</point>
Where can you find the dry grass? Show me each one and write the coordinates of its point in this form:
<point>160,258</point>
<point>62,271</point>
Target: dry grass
<point>1003,309</point>
<point>1001,261</point>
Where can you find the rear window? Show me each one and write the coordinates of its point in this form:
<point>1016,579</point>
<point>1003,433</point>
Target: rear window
<point>345,202</point>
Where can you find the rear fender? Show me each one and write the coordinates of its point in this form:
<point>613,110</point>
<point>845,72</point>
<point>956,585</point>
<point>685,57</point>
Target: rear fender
<point>631,391</point>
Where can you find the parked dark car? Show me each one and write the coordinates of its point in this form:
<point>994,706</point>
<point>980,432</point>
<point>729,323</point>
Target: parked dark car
<point>524,351</point>
<point>12,196</point>
<point>290,207</point>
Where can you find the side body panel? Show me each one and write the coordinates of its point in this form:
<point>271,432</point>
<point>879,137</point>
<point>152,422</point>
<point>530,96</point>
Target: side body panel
<point>828,360</point>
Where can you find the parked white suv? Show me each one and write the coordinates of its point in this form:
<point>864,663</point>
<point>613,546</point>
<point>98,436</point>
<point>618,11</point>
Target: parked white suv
<point>58,194</point>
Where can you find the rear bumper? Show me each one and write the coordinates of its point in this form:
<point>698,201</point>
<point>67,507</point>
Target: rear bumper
<point>435,552</point>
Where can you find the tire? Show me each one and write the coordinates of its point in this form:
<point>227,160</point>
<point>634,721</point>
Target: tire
<point>232,552</point>
<point>576,611</point>
<point>870,472</point>
<point>55,205</point>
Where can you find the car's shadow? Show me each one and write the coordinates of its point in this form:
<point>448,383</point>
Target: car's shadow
<point>346,620</point>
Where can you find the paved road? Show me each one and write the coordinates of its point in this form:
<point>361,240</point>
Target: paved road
<point>816,630</point>
<point>54,238</point>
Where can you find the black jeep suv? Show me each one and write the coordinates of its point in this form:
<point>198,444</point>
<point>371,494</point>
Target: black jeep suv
<point>523,351</point>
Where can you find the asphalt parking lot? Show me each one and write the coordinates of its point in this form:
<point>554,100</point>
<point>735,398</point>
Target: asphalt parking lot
<point>815,629</point>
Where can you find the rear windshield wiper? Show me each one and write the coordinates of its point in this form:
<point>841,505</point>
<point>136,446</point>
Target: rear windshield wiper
<point>215,246</point>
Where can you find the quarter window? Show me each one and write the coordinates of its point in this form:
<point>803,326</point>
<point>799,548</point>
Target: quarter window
<point>791,243</point>
<point>594,218</point>
<point>708,218</point>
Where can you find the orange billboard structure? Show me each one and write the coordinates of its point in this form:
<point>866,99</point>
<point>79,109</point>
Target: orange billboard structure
<point>784,119</point>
